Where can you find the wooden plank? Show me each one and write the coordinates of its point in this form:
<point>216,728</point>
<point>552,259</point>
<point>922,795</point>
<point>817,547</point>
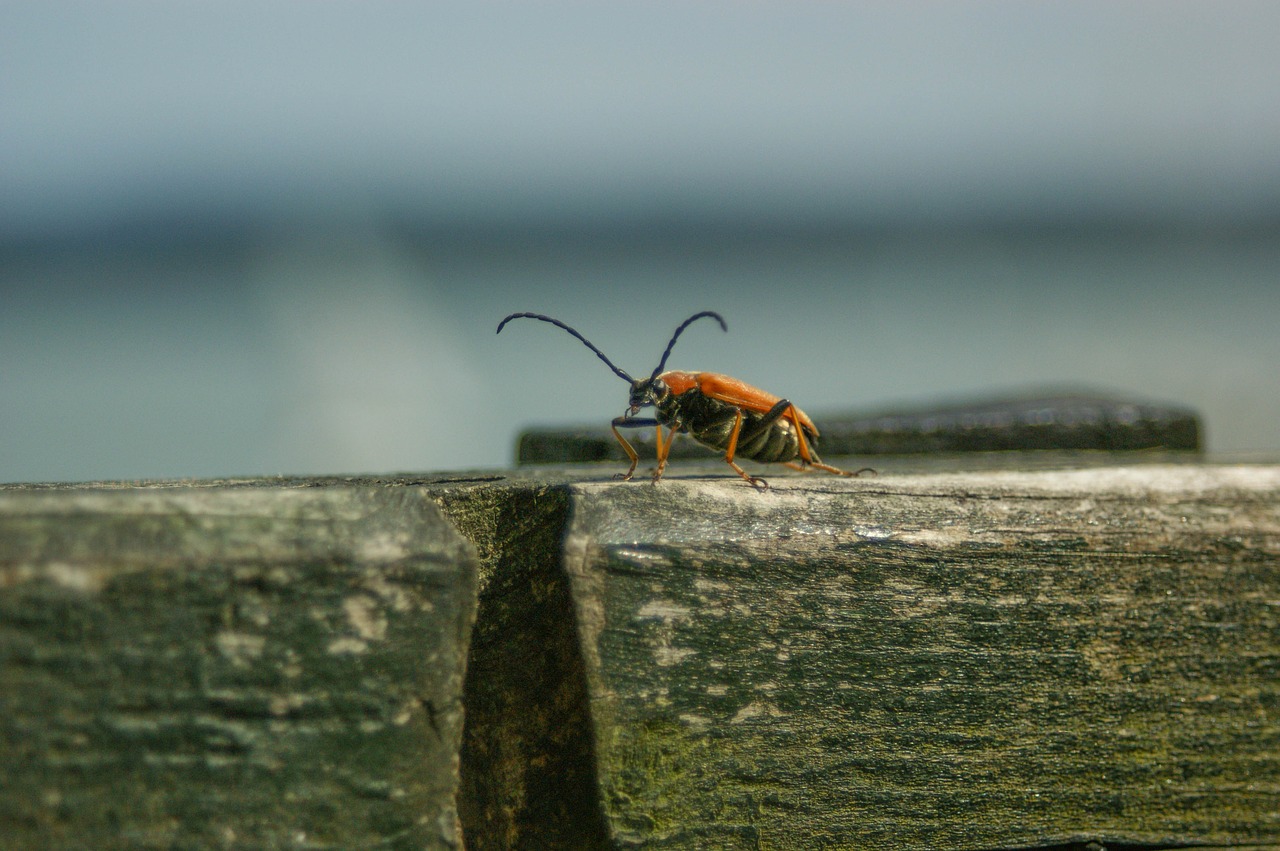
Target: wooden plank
<point>986,659</point>
<point>262,666</point>
<point>980,660</point>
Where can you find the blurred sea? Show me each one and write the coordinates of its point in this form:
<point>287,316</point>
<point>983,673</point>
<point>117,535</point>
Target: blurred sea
<point>366,343</point>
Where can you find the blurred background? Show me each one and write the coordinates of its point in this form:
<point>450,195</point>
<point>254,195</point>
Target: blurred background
<point>242,238</point>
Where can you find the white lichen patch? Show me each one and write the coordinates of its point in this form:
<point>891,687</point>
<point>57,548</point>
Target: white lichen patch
<point>668,613</point>
<point>938,537</point>
<point>394,595</point>
<point>696,723</point>
<point>87,579</point>
<point>383,548</point>
<point>406,711</point>
<point>347,645</point>
<point>753,710</point>
<point>638,556</point>
<point>666,655</point>
<point>664,610</point>
<point>251,610</point>
<point>365,617</point>
<point>284,704</point>
<point>240,648</point>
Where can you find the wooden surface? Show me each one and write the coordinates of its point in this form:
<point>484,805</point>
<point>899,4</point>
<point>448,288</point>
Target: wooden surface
<point>968,661</point>
<point>971,655</point>
<point>230,667</point>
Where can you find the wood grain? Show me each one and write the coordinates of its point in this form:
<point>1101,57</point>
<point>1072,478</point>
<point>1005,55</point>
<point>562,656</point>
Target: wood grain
<point>999,658</point>
<point>257,666</point>
<point>986,660</point>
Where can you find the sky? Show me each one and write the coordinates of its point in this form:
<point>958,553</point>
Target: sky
<point>244,238</point>
<point>874,111</point>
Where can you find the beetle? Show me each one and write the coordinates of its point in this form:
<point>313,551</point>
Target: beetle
<point>718,411</point>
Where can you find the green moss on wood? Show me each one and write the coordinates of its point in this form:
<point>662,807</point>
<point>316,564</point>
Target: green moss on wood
<point>527,760</point>
<point>880,666</point>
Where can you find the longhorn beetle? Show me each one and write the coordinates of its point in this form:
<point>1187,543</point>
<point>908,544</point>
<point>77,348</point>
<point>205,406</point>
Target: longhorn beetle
<point>723,413</point>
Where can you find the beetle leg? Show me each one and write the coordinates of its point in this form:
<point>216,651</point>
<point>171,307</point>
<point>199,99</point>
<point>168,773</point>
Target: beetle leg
<point>771,416</point>
<point>662,461</point>
<point>806,455</point>
<point>626,422</point>
<point>810,458</point>
<point>782,408</point>
<point>853,473</point>
<point>733,437</point>
<point>755,481</point>
<point>664,451</point>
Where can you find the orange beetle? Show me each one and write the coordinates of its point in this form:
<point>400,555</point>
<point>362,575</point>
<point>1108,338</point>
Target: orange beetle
<point>723,413</point>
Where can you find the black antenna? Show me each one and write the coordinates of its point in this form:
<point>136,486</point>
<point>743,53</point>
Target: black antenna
<point>683,325</point>
<point>599,354</point>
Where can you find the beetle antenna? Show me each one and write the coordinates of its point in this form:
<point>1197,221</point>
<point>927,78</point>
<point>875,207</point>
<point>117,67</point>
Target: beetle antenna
<point>556,322</point>
<point>683,325</point>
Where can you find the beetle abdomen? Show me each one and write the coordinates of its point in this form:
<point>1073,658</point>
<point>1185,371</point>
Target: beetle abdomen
<point>710,422</point>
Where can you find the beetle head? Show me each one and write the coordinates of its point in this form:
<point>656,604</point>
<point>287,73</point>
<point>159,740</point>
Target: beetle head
<point>646,392</point>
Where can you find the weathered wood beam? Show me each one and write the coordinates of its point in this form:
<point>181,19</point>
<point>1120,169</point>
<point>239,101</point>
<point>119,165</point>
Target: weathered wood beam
<point>993,658</point>
<point>968,661</point>
<point>230,667</point>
